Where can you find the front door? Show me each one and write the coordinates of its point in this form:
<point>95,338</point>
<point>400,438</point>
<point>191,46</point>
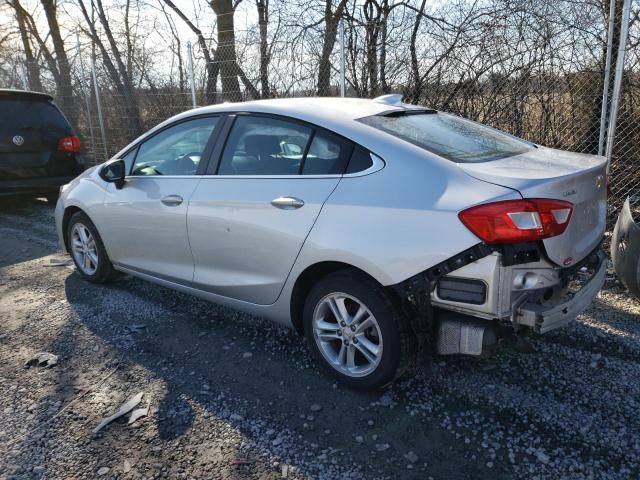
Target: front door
<point>248,223</point>
<point>145,223</point>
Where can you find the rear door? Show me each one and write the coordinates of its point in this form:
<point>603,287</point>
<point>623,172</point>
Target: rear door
<point>248,222</point>
<point>30,129</point>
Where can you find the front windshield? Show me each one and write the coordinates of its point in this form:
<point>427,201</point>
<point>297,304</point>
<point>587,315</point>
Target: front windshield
<point>448,136</point>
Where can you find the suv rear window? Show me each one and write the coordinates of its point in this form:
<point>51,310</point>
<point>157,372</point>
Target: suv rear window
<point>30,113</point>
<point>448,136</point>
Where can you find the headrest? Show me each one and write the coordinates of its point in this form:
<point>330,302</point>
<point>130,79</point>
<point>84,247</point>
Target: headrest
<point>262,144</point>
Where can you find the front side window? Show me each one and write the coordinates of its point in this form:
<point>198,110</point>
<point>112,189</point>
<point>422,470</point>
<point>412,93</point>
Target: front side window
<point>128,159</point>
<point>176,150</point>
<point>448,136</point>
<point>264,146</point>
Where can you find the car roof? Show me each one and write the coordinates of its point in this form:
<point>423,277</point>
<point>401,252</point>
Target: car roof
<point>24,94</point>
<point>336,114</point>
<point>316,108</point>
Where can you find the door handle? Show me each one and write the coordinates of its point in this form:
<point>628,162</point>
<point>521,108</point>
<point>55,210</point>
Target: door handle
<point>287,203</point>
<point>172,200</point>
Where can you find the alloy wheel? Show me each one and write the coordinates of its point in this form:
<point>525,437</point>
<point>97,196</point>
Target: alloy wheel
<point>83,247</point>
<point>347,334</point>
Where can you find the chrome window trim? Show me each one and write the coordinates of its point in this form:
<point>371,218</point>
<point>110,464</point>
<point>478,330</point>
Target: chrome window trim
<point>377,165</point>
<point>273,176</point>
<point>128,177</point>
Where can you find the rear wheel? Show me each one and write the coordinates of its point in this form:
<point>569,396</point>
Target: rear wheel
<point>87,250</point>
<point>355,332</point>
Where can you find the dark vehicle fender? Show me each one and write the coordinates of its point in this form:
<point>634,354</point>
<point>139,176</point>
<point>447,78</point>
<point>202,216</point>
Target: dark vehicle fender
<point>625,250</point>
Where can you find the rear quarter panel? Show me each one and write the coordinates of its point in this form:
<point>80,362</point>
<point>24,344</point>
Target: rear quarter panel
<point>398,221</point>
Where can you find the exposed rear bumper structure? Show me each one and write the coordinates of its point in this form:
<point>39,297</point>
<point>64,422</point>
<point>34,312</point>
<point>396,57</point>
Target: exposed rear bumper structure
<point>543,318</point>
<point>493,290</point>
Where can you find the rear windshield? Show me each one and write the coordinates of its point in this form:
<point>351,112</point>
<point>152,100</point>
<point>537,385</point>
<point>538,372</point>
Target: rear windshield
<point>16,113</point>
<point>451,137</point>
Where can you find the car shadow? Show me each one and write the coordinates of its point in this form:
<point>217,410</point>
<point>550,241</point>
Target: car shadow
<point>236,367</point>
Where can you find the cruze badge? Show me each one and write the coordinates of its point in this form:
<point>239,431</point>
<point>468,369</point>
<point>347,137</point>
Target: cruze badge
<point>18,140</point>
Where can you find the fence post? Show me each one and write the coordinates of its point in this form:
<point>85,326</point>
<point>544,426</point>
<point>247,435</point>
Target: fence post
<point>617,81</point>
<point>342,61</point>
<point>191,77</point>
<point>86,99</point>
<point>99,105</point>
<point>607,75</point>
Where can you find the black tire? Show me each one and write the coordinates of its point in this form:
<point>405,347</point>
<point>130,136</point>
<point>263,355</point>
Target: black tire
<point>104,271</point>
<point>398,340</point>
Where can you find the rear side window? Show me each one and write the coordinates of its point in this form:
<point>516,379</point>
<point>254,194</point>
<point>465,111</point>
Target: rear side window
<point>327,155</point>
<point>264,146</point>
<point>448,136</point>
<point>260,145</point>
<point>17,113</point>
<point>360,161</point>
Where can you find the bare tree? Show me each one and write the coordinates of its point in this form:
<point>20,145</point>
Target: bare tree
<point>332,16</point>
<point>117,72</point>
<point>33,68</point>
<point>263,23</point>
<point>211,63</point>
<point>226,57</point>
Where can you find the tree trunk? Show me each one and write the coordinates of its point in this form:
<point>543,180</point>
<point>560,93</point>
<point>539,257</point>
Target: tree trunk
<point>63,85</point>
<point>33,69</point>
<point>415,69</point>
<point>372,29</point>
<point>226,51</point>
<point>263,22</point>
<point>331,21</point>
<point>383,47</point>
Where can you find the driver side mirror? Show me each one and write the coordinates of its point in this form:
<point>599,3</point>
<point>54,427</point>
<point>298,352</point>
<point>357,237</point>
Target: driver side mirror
<point>114,172</point>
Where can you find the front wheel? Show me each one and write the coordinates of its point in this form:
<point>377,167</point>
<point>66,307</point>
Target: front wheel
<point>87,250</point>
<point>355,332</point>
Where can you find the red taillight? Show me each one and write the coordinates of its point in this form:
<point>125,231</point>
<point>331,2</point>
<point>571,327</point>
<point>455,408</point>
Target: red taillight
<point>516,221</point>
<point>69,144</point>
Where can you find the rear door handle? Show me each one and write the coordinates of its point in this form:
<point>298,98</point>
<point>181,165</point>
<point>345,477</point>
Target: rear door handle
<point>172,200</point>
<point>287,203</point>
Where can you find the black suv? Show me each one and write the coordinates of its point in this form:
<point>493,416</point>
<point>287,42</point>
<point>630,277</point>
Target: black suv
<point>39,151</point>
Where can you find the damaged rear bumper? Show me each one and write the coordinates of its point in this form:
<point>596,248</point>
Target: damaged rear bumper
<point>543,318</point>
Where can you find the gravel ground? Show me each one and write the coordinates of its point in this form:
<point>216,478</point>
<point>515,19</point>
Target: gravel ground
<point>234,397</point>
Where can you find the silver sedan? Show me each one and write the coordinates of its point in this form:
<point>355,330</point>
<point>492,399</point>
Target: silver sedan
<point>371,227</point>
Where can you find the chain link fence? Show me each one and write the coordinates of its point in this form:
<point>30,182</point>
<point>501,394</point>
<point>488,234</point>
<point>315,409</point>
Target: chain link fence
<point>530,72</point>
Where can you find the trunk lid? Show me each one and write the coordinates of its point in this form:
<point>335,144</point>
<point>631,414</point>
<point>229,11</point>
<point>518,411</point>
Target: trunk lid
<point>548,173</point>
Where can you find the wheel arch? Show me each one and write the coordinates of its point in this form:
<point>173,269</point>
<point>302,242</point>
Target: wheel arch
<point>307,279</point>
<point>69,212</point>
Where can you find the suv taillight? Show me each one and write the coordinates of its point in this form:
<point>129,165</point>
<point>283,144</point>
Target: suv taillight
<point>69,144</point>
<point>517,221</point>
